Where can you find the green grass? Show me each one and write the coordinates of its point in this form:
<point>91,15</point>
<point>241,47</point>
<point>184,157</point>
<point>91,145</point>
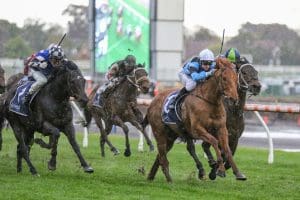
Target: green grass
<point>117,177</point>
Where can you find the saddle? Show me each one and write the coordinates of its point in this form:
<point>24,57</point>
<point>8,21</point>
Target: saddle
<point>172,116</point>
<point>17,104</point>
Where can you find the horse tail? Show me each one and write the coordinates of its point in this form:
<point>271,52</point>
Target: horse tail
<point>145,122</point>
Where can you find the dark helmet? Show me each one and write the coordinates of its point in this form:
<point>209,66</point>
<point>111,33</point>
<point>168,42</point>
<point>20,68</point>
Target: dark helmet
<point>130,60</point>
<point>56,52</point>
<point>233,55</point>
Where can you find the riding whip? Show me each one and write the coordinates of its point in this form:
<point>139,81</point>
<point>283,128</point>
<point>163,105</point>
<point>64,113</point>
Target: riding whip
<point>222,41</point>
<point>63,37</point>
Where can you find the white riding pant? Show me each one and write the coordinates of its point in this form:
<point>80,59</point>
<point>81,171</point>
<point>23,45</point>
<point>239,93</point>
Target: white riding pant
<point>40,78</point>
<point>187,81</point>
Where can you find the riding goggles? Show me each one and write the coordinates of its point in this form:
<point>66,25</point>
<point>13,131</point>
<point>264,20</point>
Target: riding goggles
<point>206,62</point>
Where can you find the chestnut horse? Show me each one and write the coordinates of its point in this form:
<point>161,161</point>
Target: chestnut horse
<point>202,113</point>
<point>247,83</point>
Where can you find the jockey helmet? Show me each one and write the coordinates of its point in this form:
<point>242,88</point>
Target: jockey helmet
<point>130,60</point>
<point>206,55</point>
<point>56,52</point>
<point>233,55</point>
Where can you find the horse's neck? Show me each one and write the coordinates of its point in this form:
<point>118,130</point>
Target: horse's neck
<point>242,98</point>
<point>126,90</point>
<point>209,90</point>
<point>57,88</point>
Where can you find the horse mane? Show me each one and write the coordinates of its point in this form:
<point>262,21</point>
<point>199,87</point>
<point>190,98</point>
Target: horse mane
<point>222,63</point>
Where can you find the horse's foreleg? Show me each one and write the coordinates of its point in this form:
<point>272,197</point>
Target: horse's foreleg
<point>119,122</point>
<point>201,133</point>
<point>69,131</point>
<point>233,142</point>
<point>191,149</point>
<point>223,139</point>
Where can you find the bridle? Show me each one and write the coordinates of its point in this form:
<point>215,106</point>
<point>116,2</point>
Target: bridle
<point>244,86</point>
<point>134,81</point>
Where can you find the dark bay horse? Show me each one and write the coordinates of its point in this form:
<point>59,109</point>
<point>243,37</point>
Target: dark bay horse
<point>235,122</point>
<point>120,107</point>
<point>50,114</point>
<point>202,114</point>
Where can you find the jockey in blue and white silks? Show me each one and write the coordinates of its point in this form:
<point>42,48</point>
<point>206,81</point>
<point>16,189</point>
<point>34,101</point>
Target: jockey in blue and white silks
<point>197,70</point>
<point>194,71</point>
<point>42,65</point>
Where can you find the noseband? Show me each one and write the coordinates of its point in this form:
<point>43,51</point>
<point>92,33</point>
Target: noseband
<point>244,86</point>
<point>134,81</point>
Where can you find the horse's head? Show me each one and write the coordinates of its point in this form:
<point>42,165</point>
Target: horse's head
<point>76,83</point>
<point>227,79</point>
<point>140,79</point>
<point>248,79</point>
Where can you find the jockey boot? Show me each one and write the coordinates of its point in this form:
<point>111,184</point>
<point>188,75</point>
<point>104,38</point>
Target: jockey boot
<point>181,92</point>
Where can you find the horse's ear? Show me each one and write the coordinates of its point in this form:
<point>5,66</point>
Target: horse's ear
<point>141,65</point>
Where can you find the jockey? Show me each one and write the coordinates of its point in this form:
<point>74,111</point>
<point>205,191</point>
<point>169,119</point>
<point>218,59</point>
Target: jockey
<point>196,70</point>
<point>26,62</point>
<point>42,65</point>
<point>116,73</point>
<point>233,55</point>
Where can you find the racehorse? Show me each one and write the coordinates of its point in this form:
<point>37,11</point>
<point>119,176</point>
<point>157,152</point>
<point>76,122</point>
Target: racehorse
<point>202,114</point>
<point>120,107</point>
<point>235,122</point>
<point>50,114</point>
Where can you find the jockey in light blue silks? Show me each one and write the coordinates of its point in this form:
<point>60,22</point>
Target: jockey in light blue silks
<point>42,65</point>
<point>196,70</point>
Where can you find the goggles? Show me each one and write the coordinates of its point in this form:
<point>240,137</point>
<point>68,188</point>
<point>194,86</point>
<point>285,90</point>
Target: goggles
<point>206,62</point>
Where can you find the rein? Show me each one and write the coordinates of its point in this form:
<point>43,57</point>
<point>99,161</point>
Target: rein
<point>244,86</point>
<point>204,99</point>
<point>136,82</point>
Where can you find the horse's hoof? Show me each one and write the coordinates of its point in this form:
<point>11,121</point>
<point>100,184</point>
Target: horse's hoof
<point>201,175</point>
<point>212,175</point>
<point>51,166</point>
<point>36,175</point>
<point>88,169</point>
<point>115,151</point>
<point>127,153</point>
<point>240,176</point>
<point>221,173</point>
<point>227,165</point>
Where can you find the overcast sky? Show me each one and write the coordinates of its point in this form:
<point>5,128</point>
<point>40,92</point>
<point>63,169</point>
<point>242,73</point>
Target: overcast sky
<point>212,14</point>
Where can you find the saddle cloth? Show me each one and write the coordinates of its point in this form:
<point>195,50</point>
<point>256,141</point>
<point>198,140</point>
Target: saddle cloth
<point>171,116</point>
<point>96,100</point>
<point>17,103</point>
